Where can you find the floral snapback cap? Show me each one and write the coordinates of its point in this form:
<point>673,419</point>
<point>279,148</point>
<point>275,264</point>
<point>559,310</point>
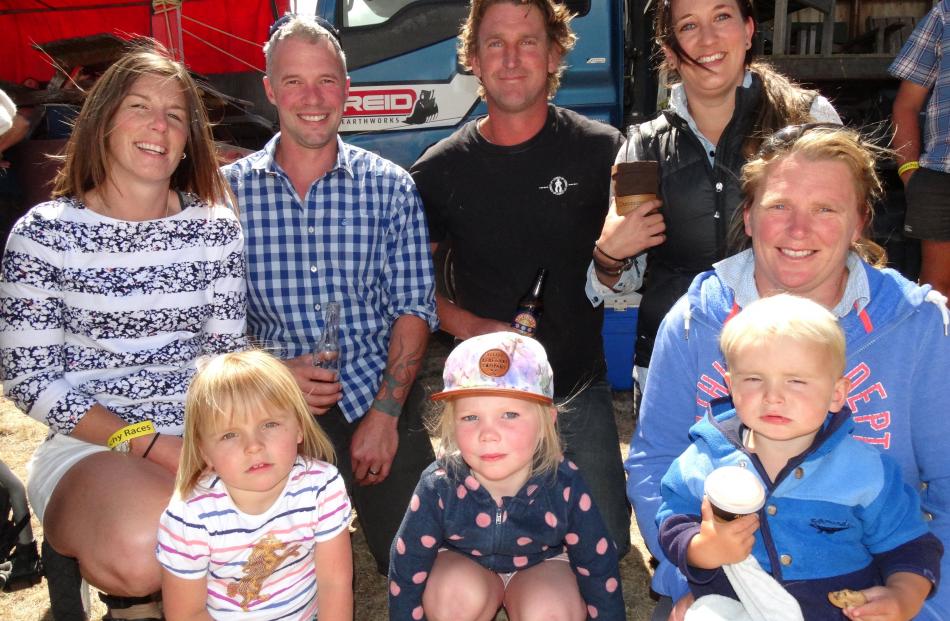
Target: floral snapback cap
<point>500,363</point>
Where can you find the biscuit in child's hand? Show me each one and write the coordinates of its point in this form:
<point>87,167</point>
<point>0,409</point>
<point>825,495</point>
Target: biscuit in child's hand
<point>847,598</point>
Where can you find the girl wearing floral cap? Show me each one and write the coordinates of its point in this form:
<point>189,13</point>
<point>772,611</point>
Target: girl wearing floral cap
<point>501,519</point>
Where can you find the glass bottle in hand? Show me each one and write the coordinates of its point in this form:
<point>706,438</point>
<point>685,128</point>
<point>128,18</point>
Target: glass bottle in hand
<point>530,306</point>
<point>326,353</point>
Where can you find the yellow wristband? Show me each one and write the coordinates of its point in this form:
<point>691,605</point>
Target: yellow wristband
<point>907,167</point>
<point>128,432</point>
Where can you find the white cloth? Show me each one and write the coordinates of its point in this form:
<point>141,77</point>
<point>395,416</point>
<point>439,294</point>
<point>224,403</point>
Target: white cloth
<point>717,608</point>
<point>761,598</point>
<point>49,463</point>
<point>7,112</point>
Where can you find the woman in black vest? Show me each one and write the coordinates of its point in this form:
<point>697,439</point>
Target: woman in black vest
<point>720,107</point>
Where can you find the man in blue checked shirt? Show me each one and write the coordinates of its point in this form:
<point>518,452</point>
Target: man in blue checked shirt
<point>328,222</point>
<point>923,66</point>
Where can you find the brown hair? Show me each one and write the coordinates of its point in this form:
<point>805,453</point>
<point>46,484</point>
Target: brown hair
<point>818,142</point>
<point>84,166</point>
<point>784,102</point>
<point>557,22</point>
<point>230,386</point>
<point>665,32</point>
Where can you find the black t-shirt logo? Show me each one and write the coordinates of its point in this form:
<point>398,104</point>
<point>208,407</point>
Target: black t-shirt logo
<point>557,186</point>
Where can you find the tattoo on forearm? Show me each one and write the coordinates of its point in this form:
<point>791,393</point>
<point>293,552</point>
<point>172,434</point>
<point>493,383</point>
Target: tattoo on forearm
<point>397,378</point>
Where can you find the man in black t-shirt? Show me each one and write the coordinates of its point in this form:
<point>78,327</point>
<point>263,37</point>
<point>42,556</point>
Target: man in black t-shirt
<point>525,187</point>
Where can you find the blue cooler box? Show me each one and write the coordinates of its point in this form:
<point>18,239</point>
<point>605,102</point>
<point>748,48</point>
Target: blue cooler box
<point>620,335</point>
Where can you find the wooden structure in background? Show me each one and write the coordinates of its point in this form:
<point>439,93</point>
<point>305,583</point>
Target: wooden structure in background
<point>836,40</point>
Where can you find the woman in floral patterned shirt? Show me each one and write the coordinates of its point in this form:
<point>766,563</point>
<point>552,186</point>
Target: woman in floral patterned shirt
<point>108,295</point>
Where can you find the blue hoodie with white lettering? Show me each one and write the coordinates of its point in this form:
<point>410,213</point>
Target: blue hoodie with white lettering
<point>838,516</point>
<point>898,361</point>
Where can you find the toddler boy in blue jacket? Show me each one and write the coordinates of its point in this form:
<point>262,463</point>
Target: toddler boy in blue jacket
<point>837,514</point>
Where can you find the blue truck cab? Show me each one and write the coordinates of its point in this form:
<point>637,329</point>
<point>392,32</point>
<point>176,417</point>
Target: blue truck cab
<point>408,90</point>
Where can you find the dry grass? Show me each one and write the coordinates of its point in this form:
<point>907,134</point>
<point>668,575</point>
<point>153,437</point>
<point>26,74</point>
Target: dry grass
<point>19,436</point>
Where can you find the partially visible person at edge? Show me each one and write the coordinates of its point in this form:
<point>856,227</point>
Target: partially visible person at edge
<point>806,215</point>
<point>509,194</point>
<point>330,222</point>
<point>109,294</point>
<point>719,111</point>
<point>16,125</point>
<point>924,70</point>
<point>24,569</point>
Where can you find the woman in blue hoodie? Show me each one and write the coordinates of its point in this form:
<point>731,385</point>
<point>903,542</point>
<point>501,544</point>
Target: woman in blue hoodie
<point>808,204</point>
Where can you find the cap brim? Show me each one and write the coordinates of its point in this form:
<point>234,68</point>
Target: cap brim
<point>491,392</point>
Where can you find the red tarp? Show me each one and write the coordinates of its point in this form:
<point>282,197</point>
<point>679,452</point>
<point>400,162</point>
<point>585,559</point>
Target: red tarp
<point>24,22</point>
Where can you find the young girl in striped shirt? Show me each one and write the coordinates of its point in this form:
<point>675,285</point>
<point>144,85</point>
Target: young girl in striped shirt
<point>259,519</point>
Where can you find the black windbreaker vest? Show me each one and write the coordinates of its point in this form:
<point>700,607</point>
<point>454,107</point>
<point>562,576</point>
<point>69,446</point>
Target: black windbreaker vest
<point>699,202</point>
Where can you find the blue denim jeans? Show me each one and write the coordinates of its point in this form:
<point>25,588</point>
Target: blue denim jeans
<point>590,439</point>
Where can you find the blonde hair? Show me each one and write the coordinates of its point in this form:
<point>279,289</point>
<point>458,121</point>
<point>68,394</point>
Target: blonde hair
<point>231,386</point>
<point>817,143</point>
<point>557,24</point>
<point>304,28</point>
<point>547,452</point>
<point>786,316</point>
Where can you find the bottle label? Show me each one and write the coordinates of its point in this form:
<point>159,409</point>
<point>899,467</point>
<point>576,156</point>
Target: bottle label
<point>525,323</point>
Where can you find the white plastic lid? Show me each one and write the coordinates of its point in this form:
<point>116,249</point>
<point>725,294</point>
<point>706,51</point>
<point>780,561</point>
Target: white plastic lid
<point>735,489</point>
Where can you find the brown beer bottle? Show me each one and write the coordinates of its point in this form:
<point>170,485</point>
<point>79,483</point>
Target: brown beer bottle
<point>530,306</point>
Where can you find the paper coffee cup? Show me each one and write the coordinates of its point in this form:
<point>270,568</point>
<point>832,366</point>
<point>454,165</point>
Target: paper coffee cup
<point>733,492</point>
<point>634,184</point>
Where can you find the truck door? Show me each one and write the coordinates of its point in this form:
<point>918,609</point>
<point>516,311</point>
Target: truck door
<point>408,91</point>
